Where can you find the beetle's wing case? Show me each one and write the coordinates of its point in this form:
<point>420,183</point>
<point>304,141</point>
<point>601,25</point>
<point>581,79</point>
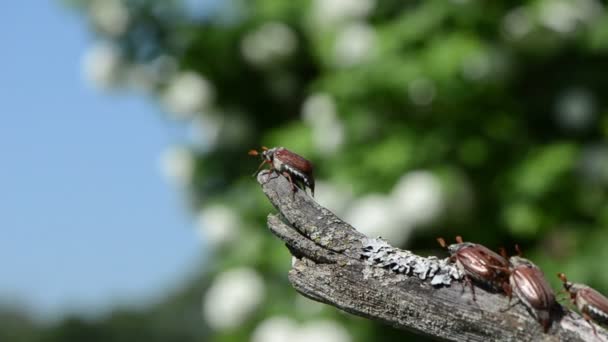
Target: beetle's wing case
<point>294,160</point>
<point>593,303</point>
<point>481,264</point>
<point>530,285</point>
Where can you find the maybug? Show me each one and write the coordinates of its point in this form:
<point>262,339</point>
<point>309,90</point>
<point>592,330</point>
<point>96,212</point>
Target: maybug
<point>289,164</point>
<point>592,304</point>
<point>479,264</point>
<point>528,283</point>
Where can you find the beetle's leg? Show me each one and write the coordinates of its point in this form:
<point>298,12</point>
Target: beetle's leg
<point>472,290</point>
<point>293,185</point>
<point>507,288</point>
<point>259,168</point>
<point>468,281</point>
<point>588,319</point>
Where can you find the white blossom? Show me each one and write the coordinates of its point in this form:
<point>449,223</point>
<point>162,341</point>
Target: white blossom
<point>101,66</point>
<point>147,76</point>
<point>418,198</point>
<point>563,16</point>
<point>322,331</point>
<point>319,109</point>
<point>205,130</point>
<point>594,164</point>
<point>218,224</point>
<point>177,165</point>
<point>333,197</point>
<point>517,23</point>
<point>271,42</point>
<point>331,12</point>
<point>275,329</point>
<point>319,112</point>
<point>354,44</point>
<point>110,16</point>
<point>232,298</point>
<point>575,109</point>
<point>477,67</point>
<point>421,91</point>
<point>374,215</point>
<point>188,93</point>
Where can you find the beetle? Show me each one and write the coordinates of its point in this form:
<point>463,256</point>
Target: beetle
<point>289,164</point>
<point>530,286</point>
<point>592,304</point>
<point>479,264</point>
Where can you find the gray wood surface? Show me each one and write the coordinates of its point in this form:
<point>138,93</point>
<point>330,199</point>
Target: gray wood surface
<point>331,268</point>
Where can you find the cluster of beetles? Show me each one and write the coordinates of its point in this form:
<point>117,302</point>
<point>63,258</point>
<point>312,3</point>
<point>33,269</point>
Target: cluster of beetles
<point>519,276</point>
<point>479,264</point>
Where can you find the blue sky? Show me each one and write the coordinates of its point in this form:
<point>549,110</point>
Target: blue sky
<point>86,218</point>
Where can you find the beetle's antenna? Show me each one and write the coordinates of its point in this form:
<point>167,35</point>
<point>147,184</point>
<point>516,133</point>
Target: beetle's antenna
<point>503,252</point>
<point>518,250</point>
<point>259,168</point>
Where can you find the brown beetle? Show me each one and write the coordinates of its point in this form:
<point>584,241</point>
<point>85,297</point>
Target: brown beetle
<point>592,304</point>
<point>528,283</point>
<point>479,264</point>
<point>289,164</point>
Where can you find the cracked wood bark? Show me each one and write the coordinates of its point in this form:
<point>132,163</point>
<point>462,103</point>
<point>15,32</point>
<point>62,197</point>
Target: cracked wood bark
<point>330,269</point>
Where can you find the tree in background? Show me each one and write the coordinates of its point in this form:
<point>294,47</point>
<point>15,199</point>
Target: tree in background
<point>423,118</point>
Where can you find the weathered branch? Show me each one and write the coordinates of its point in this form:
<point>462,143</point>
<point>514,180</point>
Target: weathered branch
<point>341,267</point>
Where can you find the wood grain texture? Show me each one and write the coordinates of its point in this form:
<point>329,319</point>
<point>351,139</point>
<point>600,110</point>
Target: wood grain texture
<point>330,269</point>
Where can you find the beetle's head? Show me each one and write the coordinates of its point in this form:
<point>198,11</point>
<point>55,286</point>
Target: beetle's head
<point>519,261</point>
<point>267,153</point>
<point>568,286</point>
<point>457,247</point>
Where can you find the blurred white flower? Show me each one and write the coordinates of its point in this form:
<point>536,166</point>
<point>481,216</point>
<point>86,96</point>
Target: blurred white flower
<point>374,215</point>
<point>418,198</point>
<point>319,109</point>
<point>322,331</point>
<point>328,139</point>
<point>477,66</point>
<point>563,16</point>
<point>205,131</point>
<point>275,329</point>
<point>594,164</point>
<point>421,91</point>
<point>177,165</point>
<point>575,109</point>
<point>354,44</point>
<point>517,23</point>
<point>233,297</point>
<point>110,16</point>
<point>319,112</point>
<point>333,197</point>
<point>101,65</point>
<point>148,76</point>
<point>141,78</point>
<point>218,224</point>
<point>188,93</point>
<point>331,12</point>
<point>271,42</point>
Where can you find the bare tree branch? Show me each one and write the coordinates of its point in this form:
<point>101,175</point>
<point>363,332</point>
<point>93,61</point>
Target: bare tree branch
<point>341,267</point>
